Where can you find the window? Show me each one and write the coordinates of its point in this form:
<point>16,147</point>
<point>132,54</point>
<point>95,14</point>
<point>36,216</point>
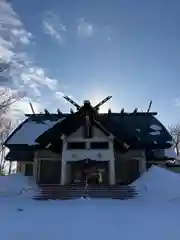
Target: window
<point>29,169</point>
<point>99,145</point>
<point>76,145</point>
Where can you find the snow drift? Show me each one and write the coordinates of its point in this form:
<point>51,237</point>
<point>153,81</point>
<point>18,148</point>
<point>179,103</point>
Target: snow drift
<point>16,184</point>
<point>159,183</point>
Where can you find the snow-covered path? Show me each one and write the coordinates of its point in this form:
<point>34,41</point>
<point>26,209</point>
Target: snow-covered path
<point>154,215</point>
<point>89,219</point>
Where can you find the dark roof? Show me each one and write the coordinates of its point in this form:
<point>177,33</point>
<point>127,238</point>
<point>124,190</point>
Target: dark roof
<point>69,125</point>
<point>136,130</point>
<point>154,156</point>
<point>131,128</point>
<point>16,155</point>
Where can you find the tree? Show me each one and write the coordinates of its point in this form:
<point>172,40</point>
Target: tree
<point>4,133</point>
<point>175,133</point>
<point>8,96</point>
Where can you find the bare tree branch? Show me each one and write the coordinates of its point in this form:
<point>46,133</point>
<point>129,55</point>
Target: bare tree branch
<point>175,133</point>
<point>8,97</point>
<point>4,133</point>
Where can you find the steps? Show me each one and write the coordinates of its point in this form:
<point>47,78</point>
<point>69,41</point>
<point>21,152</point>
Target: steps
<point>115,192</point>
<point>55,192</point>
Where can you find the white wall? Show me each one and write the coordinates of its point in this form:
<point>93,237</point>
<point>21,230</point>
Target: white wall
<point>96,132</point>
<point>94,154</point>
<point>77,155</point>
<point>79,134</point>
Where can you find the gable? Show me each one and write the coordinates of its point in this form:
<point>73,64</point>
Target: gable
<point>141,130</point>
<point>96,132</point>
<point>79,133</point>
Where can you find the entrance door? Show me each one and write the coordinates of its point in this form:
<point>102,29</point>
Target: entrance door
<point>96,172</point>
<point>50,172</point>
<point>89,171</point>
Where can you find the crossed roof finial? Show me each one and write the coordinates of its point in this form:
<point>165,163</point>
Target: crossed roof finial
<point>88,102</point>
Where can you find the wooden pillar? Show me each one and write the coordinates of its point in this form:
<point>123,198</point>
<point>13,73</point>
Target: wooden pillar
<point>23,166</point>
<point>142,163</point>
<point>111,163</point>
<point>63,171</point>
<point>111,171</point>
<point>63,164</point>
<point>35,173</point>
<point>19,166</point>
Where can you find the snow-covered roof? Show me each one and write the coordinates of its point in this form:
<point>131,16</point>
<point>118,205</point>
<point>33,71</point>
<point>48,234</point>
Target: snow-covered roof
<point>137,130</point>
<point>30,131</point>
<point>155,127</point>
<point>155,133</point>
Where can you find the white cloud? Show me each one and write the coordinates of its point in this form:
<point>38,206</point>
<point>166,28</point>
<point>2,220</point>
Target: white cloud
<point>84,28</point>
<point>36,89</point>
<point>22,106</point>
<point>8,17</point>
<point>23,36</point>
<point>10,21</point>
<point>53,26</point>
<point>59,95</point>
<point>23,71</point>
<point>36,75</point>
<point>5,53</point>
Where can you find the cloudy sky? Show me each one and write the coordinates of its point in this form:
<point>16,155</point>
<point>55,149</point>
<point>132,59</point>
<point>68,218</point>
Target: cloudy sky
<point>88,49</point>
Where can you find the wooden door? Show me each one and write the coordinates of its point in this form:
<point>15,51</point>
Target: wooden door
<point>50,172</point>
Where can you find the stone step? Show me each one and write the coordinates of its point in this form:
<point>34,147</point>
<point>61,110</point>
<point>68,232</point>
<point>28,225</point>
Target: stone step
<point>74,191</point>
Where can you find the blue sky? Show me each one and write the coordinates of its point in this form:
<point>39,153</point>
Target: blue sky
<point>89,49</point>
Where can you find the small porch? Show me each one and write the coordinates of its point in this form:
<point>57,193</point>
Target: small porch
<point>80,172</point>
<point>88,172</point>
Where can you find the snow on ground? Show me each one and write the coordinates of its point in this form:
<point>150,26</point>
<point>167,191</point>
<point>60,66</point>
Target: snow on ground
<point>159,184</point>
<point>15,184</point>
<point>89,219</point>
<point>138,219</point>
<point>170,153</point>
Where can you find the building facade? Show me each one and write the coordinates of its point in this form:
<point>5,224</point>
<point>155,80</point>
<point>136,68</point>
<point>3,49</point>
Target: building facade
<point>86,146</point>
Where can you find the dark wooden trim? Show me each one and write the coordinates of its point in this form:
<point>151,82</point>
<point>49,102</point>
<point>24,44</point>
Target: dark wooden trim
<point>102,128</point>
<point>87,128</point>
<point>130,113</point>
<point>27,171</point>
<point>103,114</point>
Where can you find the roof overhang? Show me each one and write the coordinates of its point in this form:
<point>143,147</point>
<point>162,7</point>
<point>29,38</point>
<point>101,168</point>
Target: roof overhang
<point>20,156</point>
